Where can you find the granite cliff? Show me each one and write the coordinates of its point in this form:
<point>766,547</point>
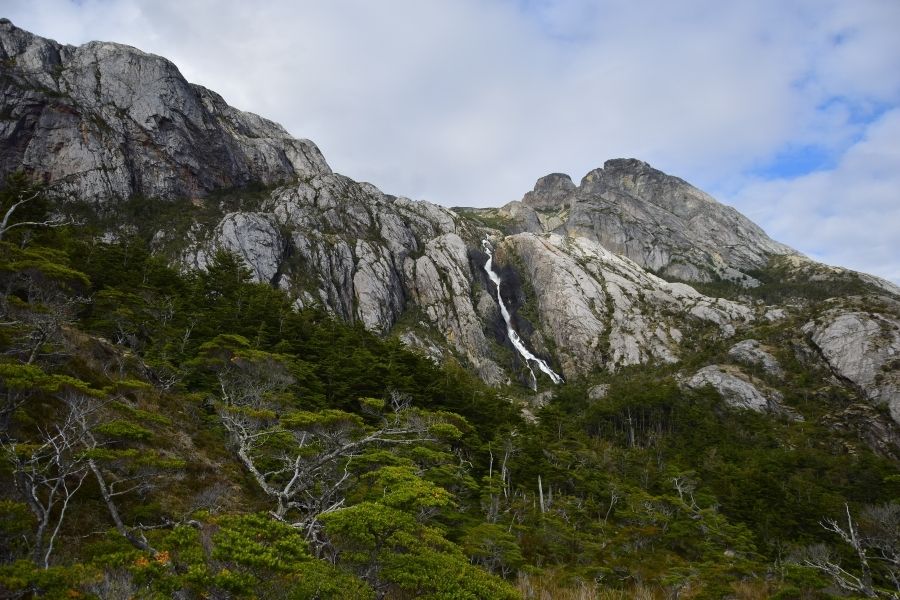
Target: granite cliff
<point>105,121</point>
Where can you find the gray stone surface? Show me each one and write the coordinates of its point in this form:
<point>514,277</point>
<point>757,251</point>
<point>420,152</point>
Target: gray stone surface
<point>104,121</point>
<point>550,191</point>
<point>739,391</point>
<point>601,309</point>
<point>255,238</point>
<point>440,283</point>
<point>660,222</point>
<point>875,429</point>
<point>598,392</point>
<point>863,348</point>
<point>751,352</point>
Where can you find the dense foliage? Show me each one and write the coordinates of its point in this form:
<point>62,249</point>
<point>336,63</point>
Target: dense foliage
<point>193,433</point>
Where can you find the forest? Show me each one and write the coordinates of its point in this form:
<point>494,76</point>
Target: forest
<point>171,434</point>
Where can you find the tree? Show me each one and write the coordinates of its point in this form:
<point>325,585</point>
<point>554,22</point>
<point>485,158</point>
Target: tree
<point>493,548</point>
<point>20,200</point>
<point>876,545</point>
<point>41,295</point>
<point>300,459</point>
<point>49,472</point>
<point>386,542</point>
<point>118,473</point>
<point>18,384</point>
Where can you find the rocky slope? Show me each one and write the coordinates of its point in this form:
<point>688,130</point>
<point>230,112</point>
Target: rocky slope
<point>581,267</point>
<point>862,348</point>
<point>660,222</point>
<point>104,121</point>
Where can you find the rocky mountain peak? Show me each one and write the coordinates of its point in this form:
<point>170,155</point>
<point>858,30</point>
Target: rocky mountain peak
<point>550,191</point>
<point>638,179</point>
<point>105,121</point>
<point>661,222</point>
<point>614,172</point>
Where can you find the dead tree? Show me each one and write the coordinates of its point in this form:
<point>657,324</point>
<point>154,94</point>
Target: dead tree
<point>876,544</point>
<point>48,473</point>
<point>300,459</point>
<point>21,202</point>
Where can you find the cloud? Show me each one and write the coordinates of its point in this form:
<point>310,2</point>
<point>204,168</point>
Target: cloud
<point>467,102</point>
<point>848,215</point>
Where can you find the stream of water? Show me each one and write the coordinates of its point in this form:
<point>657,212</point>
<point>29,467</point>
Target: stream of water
<point>517,342</point>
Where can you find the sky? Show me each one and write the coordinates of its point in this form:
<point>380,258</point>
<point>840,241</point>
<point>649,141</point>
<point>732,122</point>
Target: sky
<point>788,110</point>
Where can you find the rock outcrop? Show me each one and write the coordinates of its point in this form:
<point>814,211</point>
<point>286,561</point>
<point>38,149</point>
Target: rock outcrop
<point>876,430</point>
<point>106,121</point>
<point>364,256</point>
<point>660,222</point>
<point>550,192</point>
<point>602,309</point>
<point>751,352</point>
<point>864,349</point>
<point>739,391</point>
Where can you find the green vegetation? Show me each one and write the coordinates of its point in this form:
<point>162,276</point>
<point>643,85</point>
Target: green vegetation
<point>170,433</point>
<point>782,282</point>
<point>485,217</point>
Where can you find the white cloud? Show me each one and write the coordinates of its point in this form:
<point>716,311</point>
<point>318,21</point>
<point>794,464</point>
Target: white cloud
<point>469,101</point>
<point>847,216</point>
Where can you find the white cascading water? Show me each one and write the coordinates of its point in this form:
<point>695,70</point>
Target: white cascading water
<point>513,336</point>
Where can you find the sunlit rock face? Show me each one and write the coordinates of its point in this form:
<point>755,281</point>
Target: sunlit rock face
<point>738,390</point>
<point>752,353</point>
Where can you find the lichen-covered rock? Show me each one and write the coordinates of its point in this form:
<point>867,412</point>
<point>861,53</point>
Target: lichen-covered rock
<point>774,315</point>
<point>431,350</point>
<point>602,309</point>
<point>660,222</point>
<point>256,239</point>
<point>863,348</point>
<point>739,391</point>
<point>379,292</point>
<point>598,392</point>
<point>878,431</point>
<point>751,352</point>
<point>106,121</point>
<point>440,283</point>
<point>326,266</point>
<point>550,191</point>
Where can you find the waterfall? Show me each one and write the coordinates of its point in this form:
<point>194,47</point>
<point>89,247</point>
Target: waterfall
<point>517,342</point>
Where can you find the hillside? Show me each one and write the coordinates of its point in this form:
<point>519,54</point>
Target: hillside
<point>231,372</point>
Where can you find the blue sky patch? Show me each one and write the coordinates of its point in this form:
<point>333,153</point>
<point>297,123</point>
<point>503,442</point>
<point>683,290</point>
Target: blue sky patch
<point>795,161</point>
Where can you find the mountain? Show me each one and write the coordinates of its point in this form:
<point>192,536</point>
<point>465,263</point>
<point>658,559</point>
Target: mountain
<point>582,266</point>
<point>571,293</point>
<point>107,121</point>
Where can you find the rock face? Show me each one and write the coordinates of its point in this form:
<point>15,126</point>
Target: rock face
<point>550,192</point>
<point>660,222</point>
<point>370,257</point>
<point>364,256</point>
<point>738,390</point>
<point>105,121</point>
<point>877,431</point>
<point>863,348</point>
<point>256,239</point>
<point>603,309</point>
<point>750,352</point>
